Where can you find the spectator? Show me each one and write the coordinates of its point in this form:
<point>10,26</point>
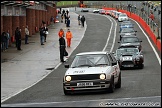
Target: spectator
<point>78,19</point>
<point>45,31</point>
<point>82,20</point>
<point>26,34</point>
<point>8,39</point>
<point>18,38</point>
<point>68,22</point>
<point>62,17</point>
<point>41,35</point>
<point>65,16</point>
<point>68,37</point>
<point>3,40</point>
<point>67,12</point>
<point>151,16</point>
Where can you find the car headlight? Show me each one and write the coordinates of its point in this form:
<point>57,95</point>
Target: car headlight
<point>68,78</point>
<point>102,76</point>
<point>137,59</point>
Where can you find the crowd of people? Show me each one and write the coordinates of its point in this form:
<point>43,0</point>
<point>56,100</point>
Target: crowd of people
<point>43,31</point>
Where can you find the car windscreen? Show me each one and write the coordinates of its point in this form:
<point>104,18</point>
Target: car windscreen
<point>122,15</point>
<point>129,40</point>
<point>90,60</point>
<point>123,51</point>
<point>127,30</point>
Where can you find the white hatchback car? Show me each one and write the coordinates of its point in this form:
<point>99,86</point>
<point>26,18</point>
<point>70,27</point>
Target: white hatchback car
<point>92,71</point>
<point>123,17</point>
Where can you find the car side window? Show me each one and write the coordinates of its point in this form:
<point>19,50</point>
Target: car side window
<point>113,58</point>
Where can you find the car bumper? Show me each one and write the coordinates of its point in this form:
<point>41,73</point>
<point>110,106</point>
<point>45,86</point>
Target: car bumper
<point>129,63</point>
<point>97,85</point>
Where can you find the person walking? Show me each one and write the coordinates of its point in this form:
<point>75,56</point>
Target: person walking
<point>67,12</point>
<point>68,37</point>
<point>8,39</point>
<point>82,20</point>
<point>79,19</point>
<point>45,29</point>
<point>41,35</point>
<point>68,22</point>
<point>61,33</point>
<point>26,34</point>
<point>62,44</point>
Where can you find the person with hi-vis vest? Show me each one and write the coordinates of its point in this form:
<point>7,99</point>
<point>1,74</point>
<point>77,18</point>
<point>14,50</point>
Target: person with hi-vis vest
<point>61,33</point>
<point>68,37</point>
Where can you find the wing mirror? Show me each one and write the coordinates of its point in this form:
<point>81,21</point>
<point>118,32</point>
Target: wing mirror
<point>118,41</point>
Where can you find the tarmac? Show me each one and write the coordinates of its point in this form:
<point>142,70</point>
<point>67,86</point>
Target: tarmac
<point>22,69</point>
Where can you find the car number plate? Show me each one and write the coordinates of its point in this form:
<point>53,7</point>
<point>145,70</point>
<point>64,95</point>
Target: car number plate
<point>85,84</point>
<point>128,65</point>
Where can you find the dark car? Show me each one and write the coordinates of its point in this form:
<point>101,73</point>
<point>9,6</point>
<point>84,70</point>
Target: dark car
<point>129,56</point>
<point>126,25</point>
<point>127,31</point>
<point>131,40</point>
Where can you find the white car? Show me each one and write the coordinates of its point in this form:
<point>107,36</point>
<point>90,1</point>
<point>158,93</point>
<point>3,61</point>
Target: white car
<point>123,17</point>
<point>96,11</point>
<point>92,71</point>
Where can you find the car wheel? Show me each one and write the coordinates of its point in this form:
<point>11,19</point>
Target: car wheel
<point>65,92</point>
<point>118,85</point>
<point>111,87</point>
<point>141,66</point>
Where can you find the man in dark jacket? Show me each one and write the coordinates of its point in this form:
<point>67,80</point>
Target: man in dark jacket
<point>62,48</point>
<point>18,38</point>
<point>45,29</point>
<point>41,35</point>
<point>82,20</point>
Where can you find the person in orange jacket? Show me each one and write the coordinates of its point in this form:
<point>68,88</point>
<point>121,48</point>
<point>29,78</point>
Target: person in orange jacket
<point>68,37</point>
<point>61,33</point>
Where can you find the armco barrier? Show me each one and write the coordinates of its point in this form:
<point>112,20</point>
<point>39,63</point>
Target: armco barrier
<point>144,25</point>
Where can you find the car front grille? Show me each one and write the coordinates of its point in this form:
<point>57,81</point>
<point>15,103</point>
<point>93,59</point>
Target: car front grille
<point>85,77</point>
<point>127,63</point>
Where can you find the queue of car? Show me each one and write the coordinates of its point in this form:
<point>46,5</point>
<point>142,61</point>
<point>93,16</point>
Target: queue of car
<point>98,71</point>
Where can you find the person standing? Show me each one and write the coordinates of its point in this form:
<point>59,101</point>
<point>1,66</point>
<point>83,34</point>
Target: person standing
<point>78,19</point>
<point>68,37</point>
<point>8,39</point>
<point>62,44</point>
<point>3,40</point>
<point>61,33</point>
<point>45,29</point>
<point>67,12</point>
<point>18,38</point>
<point>82,20</point>
<point>68,22</point>
<point>26,34</point>
<point>41,35</point>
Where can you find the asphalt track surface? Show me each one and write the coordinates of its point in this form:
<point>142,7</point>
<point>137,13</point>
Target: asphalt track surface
<point>138,85</point>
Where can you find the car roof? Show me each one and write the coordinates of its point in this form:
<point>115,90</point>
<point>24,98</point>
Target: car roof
<point>94,52</point>
<point>129,36</point>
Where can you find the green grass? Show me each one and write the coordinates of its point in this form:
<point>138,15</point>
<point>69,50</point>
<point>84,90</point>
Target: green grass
<point>66,3</point>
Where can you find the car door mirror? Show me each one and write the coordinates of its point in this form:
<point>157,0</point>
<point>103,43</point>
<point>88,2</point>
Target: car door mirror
<point>66,65</point>
<point>140,40</point>
<point>118,41</point>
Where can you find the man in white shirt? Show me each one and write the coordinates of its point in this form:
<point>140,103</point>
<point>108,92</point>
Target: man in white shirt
<point>26,34</point>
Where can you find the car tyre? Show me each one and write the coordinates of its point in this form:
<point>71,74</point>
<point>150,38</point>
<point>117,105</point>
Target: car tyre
<point>112,87</point>
<point>65,92</point>
<point>141,66</point>
<point>118,85</point>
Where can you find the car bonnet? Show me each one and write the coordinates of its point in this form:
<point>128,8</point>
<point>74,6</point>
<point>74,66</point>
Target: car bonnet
<point>87,70</point>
